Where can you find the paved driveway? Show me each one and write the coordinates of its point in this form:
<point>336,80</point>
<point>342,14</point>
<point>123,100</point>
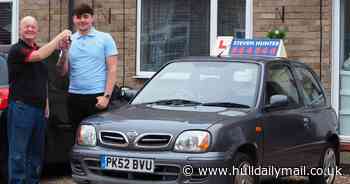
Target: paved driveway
<point>292,180</point>
<point>60,174</point>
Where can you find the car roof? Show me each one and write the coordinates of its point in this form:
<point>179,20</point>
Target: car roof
<point>245,58</point>
<point>4,49</point>
<point>256,59</point>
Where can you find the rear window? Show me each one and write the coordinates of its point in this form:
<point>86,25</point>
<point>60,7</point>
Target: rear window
<point>3,71</point>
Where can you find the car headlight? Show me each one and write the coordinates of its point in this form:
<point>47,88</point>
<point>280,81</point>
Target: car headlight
<point>193,141</point>
<point>86,135</point>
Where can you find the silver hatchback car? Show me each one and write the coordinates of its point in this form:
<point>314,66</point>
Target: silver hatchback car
<point>203,113</point>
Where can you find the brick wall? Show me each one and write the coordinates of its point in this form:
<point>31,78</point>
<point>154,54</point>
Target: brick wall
<point>108,18</point>
<point>302,19</point>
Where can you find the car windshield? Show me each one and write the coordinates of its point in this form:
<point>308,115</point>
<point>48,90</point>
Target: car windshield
<point>228,84</point>
<point>3,71</point>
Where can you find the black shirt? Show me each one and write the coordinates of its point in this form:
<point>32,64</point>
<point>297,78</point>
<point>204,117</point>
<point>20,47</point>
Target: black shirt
<point>27,80</point>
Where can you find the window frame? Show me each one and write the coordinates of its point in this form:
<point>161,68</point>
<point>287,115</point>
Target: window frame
<point>290,68</point>
<point>318,83</point>
<point>213,32</point>
<point>14,19</point>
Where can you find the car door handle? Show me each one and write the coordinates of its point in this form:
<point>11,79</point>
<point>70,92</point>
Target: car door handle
<point>306,122</point>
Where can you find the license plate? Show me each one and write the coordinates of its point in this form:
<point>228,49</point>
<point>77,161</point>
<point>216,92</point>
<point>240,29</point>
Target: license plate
<point>127,164</point>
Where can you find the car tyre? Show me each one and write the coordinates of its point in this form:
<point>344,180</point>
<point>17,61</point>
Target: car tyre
<point>328,162</point>
<point>242,161</point>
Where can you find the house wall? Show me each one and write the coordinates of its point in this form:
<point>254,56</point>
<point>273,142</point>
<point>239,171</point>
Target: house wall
<point>302,19</point>
<point>109,16</point>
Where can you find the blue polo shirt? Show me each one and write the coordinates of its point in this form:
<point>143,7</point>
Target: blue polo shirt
<point>87,61</point>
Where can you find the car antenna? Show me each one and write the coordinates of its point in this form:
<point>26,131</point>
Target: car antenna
<point>219,55</point>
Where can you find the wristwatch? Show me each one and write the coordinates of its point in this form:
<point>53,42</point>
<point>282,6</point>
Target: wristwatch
<point>108,96</point>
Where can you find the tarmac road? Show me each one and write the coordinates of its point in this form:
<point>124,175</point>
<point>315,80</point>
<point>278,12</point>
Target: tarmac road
<point>61,175</point>
<point>291,180</point>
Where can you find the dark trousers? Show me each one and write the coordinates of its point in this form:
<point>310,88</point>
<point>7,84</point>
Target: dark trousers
<point>26,136</point>
<point>81,106</point>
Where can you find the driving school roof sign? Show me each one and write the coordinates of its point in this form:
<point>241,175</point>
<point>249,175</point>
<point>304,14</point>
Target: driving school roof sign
<point>227,46</point>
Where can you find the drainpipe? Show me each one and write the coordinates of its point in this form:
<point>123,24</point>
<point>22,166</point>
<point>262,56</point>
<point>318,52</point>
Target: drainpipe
<point>124,42</point>
<point>60,15</point>
<point>321,36</point>
<point>70,14</point>
<point>49,21</point>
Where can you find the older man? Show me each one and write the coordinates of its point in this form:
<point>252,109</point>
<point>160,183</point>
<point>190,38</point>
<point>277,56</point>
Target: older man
<point>28,77</point>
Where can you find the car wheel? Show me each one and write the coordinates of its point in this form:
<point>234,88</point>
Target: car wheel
<point>243,162</point>
<point>328,163</point>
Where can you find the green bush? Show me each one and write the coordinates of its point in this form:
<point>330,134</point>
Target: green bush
<point>277,34</point>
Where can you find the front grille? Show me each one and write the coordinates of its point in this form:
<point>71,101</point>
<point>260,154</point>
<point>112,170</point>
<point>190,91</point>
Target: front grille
<point>113,138</point>
<point>153,140</point>
<point>161,172</point>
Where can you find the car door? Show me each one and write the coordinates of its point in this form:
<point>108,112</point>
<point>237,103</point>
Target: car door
<point>3,122</point>
<point>283,125</point>
<point>317,114</point>
<point>60,135</point>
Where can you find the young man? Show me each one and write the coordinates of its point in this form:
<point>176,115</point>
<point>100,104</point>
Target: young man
<point>91,62</point>
<point>28,77</point>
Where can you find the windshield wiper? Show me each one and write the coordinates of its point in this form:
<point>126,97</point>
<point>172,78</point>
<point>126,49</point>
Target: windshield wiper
<point>226,104</point>
<point>191,102</point>
<point>175,102</point>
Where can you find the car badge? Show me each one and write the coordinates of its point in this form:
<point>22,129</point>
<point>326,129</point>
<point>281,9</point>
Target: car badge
<point>132,135</point>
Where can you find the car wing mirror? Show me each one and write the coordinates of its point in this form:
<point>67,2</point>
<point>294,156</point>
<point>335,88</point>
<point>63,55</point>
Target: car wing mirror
<point>128,93</point>
<point>277,101</point>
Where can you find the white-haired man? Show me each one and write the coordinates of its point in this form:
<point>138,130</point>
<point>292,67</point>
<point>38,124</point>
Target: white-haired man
<point>28,76</point>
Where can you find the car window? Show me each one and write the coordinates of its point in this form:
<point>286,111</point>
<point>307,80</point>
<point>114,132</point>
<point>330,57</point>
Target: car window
<point>312,92</point>
<point>204,82</point>
<point>3,71</point>
<point>281,82</point>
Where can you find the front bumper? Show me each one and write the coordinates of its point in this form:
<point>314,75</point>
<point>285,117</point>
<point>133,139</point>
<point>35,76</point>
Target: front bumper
<point>85,164</point>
